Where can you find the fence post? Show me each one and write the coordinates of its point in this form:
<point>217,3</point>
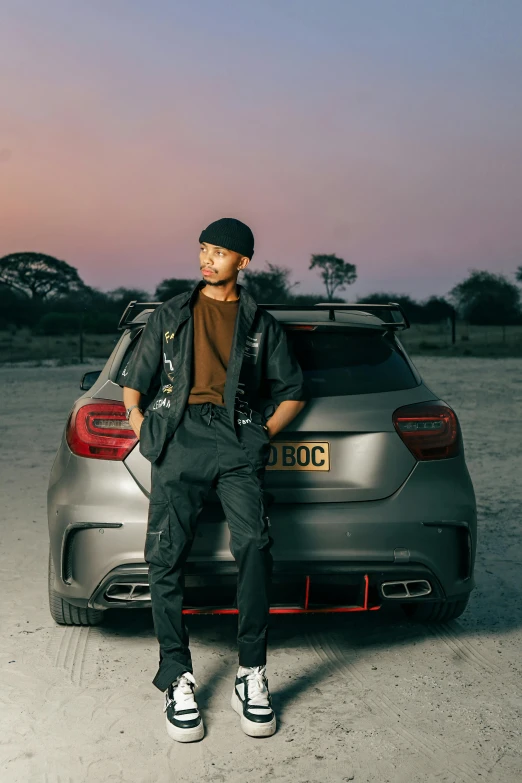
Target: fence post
<point>81,337</point>
<point>453,326</point>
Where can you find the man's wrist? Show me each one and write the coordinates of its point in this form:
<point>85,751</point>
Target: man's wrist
<point>132,408</point>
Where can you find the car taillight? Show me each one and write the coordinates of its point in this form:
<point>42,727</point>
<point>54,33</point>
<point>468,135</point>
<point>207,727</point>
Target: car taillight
<point>429,429</point>
<point>100,430</point>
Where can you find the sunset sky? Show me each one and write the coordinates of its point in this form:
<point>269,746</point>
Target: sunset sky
<point>388,132</point>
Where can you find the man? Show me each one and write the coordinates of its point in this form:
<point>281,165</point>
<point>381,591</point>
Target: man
<point>218,356</point>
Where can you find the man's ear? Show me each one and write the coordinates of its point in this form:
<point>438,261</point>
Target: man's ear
<point>243,263</point>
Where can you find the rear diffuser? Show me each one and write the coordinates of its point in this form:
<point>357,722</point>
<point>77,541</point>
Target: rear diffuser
<point>304,609</point>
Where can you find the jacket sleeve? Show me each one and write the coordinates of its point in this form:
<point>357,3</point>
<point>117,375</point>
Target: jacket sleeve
<point>283,371</point>
<point>145,360</point>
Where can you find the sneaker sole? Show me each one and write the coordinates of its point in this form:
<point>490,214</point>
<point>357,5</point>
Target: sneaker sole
<point>185,735</point>
<point>249,727</point>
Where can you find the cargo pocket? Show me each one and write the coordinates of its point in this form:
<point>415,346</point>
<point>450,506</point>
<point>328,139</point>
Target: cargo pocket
<point>157,539</point>
<point>259,440</point>
<point>152,435</point>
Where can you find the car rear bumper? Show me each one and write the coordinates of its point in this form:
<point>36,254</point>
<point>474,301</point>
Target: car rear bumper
<point>312,587</point>
<point>426,529</point>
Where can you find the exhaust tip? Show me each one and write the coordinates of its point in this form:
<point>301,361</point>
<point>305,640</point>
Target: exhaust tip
<point>419,588</point>
<point>407,588</point>
<point>394,590</point>
<point>127,591</point>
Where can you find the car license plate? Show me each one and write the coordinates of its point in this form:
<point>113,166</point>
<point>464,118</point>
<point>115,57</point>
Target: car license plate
<point>299,455</point>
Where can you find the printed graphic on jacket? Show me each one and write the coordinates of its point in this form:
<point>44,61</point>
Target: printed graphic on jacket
<point>251,351</point>
<point>241,408</point>
<point>162,403</point>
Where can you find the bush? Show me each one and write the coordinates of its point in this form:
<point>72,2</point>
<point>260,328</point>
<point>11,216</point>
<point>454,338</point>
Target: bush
<point>58,323</point>
<point>100,323</point>
<point>19,309</point>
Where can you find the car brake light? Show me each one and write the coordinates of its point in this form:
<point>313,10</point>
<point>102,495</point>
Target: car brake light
<point>429,429</point>
<point>307,327</point>
<point>100,430</point>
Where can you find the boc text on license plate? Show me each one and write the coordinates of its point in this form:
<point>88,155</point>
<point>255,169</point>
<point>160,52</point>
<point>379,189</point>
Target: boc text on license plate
<point>299,455</point>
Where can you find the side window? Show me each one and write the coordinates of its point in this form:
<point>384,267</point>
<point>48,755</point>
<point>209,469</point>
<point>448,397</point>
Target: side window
<point>127,357</point>
<point>125,364</point>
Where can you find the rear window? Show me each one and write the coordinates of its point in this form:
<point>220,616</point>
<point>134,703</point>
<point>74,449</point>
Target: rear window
<point>342,361</point>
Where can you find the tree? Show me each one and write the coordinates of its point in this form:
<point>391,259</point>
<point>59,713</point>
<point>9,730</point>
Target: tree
<point>485,298</point>
<point>269,286</point>
<point>172,286</point>
<point>518,274</point>
<point>334,272</point>
<point>39,276</point>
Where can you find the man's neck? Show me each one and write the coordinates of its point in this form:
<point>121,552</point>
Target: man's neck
<point>223,293</point>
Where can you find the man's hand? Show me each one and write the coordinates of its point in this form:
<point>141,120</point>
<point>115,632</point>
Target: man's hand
<point>136,420</point>
<point>284,413</point>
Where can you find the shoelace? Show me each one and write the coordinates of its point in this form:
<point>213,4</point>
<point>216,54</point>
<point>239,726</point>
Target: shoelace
<point>257,692</point>
<point>183,694</point>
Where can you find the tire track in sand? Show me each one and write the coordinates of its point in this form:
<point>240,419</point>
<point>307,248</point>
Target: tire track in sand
<point>52,777</point>
<point>324,652</point>
<point>74,651</point>
<point>448,634</point>
<point>435,750</point>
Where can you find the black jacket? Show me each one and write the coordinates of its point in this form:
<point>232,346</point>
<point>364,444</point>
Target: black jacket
<point>262,372</point>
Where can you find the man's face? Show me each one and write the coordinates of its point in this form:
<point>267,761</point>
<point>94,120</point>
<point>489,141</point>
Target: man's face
<point>220,266</point>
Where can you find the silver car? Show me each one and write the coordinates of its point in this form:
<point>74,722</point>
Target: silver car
<point>370,499</point>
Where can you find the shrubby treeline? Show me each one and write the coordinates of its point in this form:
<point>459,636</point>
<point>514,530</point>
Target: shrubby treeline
<point>48,296</point>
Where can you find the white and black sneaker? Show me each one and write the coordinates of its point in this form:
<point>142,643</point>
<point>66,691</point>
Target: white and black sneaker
<point>184,723</point>
<point>251,700</point>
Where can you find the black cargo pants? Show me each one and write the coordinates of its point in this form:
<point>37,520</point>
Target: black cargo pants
<point>205,452</point>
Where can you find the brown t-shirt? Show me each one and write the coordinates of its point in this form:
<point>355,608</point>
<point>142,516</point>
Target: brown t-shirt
<point>214,323</point>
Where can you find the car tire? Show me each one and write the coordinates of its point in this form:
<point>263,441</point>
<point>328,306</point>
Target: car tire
<point>65,613</point>
<point>435,611</point>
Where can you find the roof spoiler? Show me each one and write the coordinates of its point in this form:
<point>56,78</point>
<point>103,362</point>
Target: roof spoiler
<point>129,314</point>
<point>394,308</point>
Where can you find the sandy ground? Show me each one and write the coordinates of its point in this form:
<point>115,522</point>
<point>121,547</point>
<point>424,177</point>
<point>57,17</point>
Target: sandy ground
<point>363,698</point>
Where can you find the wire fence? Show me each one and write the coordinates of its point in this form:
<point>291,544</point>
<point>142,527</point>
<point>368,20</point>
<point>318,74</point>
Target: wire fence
<point>463,339</point>
<point>440,338</point>
<point>23,346</point>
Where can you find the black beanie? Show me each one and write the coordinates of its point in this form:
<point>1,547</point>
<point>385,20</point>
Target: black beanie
<point>230,233</point>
